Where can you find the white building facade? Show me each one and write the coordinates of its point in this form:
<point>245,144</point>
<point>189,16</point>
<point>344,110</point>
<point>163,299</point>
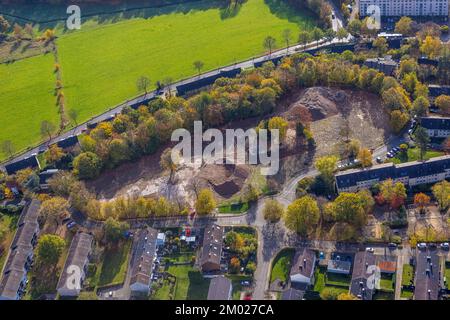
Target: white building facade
<point>399,8</point>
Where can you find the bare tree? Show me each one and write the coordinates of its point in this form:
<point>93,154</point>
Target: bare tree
<point>143,83</point>
<point>198,65</point>
<point>7,147</point>
<point>47,129</point>
<point>269,43</point>
<point>287,36</point>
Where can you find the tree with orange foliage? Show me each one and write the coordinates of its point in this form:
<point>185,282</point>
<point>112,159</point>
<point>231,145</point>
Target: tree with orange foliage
<point>235,265</point>
<point>421,200</point>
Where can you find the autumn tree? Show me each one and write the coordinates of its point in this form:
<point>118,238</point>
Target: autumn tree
<point>302,215</point>
<point>278,123</point>
<point>365,157</point>
<point>393,193</point>
<point>422,140</point>
<point>381,45</point>
<point>354,27</point>
<point>349,208</point>
<point>398,120</point>
<point>273,210</point>
<point>421,200</point>
<point>441,191</point>
<point>235,265</point>
<point>54,210</point>
<point>114,230</point>
<point>87,165</point>
<point>326,166</point>
<point>49,250</point>
<point>54,154</point>
<point>341,34</point>
<point>420,106</point>
<point>205,203</point>
<point>431,47</point>
<point>443,103</point>
<point>404,26</point>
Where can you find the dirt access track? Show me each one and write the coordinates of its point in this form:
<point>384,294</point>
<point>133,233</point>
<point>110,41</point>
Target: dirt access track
<point>331,109</point>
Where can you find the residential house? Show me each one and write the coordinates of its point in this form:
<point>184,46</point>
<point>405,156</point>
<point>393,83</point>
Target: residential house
<point>220,288</point>
<point>387,264</point>
<point>436,127</point>
<point>143,261</point>
<point>428,275</point>
<point>435,90</point>
<point>212,248</point>
<point>409,173</point>
<point>14,275</point>
<point>385,65</point>
<point>30,162</point>
<point>340,263</point>
<point>76,265</point>
<point>68,143</point>
<point>45,176</point>
<point>302,270</point>
<point>292,294</point>
<point>363,280</point>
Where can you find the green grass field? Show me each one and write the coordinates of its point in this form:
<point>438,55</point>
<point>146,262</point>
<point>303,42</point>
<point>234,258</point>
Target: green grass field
<point>190,283</point>
<point>101,63</point>
<point>282,265</point>
<point>113,269</point>
<point>26,99</point>
<point>414,154</point>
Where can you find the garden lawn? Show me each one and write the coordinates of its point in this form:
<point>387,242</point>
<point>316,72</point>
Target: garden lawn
<point>8,223</point>
<point>447,273</point>
<point>387,282</point>
<point>413,154</point>
<point>26,99</point>
<point>236,283</point>
<point>113,270</point>
<point>190,283</point>
<point>282,265</point>
<point>408,275</point>
<point>235,208</point>
<point>101,62</point>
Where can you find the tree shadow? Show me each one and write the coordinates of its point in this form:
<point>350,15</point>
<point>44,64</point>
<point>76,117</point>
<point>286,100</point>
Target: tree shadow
<point>44,15</point>
<point>283,10</point>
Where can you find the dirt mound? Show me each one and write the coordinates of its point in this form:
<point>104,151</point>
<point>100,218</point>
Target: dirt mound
<point>320,101</point>
<point>226,179</point>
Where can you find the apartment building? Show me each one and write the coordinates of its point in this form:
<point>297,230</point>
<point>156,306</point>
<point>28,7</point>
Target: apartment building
<point>412,8</point>
<point>436,127</point>
<point>410,174</point>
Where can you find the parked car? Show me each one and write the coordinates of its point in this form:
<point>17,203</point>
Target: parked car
<point>245,283</point>
<point>422,245</point>
<point>379,160</point>
<point>71,225</point>
<point>370,249</point>
<point>392,245</point>
<point>445,246</point>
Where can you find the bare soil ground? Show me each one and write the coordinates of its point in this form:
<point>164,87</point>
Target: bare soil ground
<point>330,109</point>
<point>432,224</point>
